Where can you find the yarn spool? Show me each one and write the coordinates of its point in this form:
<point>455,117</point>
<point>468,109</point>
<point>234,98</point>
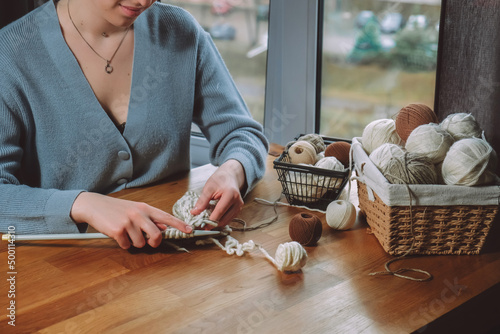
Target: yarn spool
<point>340,215</point>
<point>379,132</point>
<point>290,257</point>
<point>339,150</point>
<point>410,169</point>
<point>305,228</point>
<point>469,162</point>
<point>382,154</point>
<point>431,141</point>
<point>412,116</point>
<point>315,140</point>
<point>302,152</point>
<point>462,125</point>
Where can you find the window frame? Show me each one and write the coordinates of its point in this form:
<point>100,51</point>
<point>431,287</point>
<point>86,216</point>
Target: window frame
<point>292,82</point>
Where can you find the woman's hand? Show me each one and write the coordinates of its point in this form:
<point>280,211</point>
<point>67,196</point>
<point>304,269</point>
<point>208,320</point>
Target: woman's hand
<point>224,185</point>
<point>125,221</point>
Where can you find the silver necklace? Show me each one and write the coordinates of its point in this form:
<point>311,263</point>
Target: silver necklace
<point>108,68</point>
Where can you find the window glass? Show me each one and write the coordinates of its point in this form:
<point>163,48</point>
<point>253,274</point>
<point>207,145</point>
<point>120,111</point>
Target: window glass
<point>239,29</point>
<point>378,56</point>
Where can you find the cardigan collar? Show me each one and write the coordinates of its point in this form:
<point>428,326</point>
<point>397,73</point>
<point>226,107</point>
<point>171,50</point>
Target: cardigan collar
<point>65,62</point>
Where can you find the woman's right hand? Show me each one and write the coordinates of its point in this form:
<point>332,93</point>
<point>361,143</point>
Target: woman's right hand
<point>125,221</point>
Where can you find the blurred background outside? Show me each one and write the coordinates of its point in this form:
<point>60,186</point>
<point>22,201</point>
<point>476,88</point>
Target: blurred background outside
<point>378,56</point>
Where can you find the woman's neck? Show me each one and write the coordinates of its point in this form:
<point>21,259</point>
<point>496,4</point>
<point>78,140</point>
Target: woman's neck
<point>89,20</point>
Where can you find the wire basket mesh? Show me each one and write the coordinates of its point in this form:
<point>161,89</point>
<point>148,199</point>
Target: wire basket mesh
<point>310,186</point>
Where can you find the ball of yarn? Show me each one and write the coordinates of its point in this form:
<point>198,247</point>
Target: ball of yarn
<point>327,182</point>
<point>302,152</point>
<point>410,169</point>
<point>412,116</point>
<point>379,132</point>
<point>340,215</point>
<point>339,150</point>
<point>469,162</point>
<point>431,141</point>
<point>304,186</point>
<point>462,125</point>
<point>305,228</point>
<point>382,154</point>
<point>315,140</point>
<point>330,163</point>
<point>290,256</point>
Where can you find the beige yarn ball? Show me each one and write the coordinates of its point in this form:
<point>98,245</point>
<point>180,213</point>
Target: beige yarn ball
<point>304,186</point>
<point>315,140</point>
<point>290,257</point>
<point>469,162</point>
<point>340,215</point>
<point>462,125</point>
<point>410,168</point>
<point>330,163</point>
<point>302,152</point>
<point>379,132</point>
<point>431,141</point>
<point>385,152</point>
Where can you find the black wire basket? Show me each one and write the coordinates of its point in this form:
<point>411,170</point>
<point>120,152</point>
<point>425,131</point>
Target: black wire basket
<point>310,186</point>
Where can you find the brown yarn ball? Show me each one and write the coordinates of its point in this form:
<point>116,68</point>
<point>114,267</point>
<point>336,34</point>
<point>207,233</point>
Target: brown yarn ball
<point>305,228</point>
<point>339,150</point>
<point>412,116</point>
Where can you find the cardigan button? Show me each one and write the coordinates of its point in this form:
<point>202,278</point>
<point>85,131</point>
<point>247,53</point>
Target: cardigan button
<point>121,181</point>
<point>124,155</point>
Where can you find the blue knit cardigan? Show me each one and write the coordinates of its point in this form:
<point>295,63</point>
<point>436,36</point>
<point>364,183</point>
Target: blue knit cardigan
<point>57,141</point>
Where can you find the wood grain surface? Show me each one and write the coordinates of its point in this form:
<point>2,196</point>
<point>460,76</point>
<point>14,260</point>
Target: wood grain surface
<point>93,286</point>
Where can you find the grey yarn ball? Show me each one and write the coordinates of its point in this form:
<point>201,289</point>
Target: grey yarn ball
<point>410,169</point>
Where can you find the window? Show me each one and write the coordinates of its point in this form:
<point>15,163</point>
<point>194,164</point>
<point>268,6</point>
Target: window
<point>239,29</point>
<point>332,65</point>
<point>377,57</point>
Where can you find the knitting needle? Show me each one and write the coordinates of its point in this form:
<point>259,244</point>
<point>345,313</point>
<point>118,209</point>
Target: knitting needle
<point>73,236</point>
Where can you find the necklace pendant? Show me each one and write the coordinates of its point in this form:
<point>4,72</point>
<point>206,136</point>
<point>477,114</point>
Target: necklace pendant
<point>108,68</point>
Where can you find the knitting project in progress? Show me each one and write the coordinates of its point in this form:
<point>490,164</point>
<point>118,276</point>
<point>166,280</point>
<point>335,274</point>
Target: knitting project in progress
<point>289,257</point>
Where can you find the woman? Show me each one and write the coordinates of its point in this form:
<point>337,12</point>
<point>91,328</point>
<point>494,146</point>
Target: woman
<point>99,95</point>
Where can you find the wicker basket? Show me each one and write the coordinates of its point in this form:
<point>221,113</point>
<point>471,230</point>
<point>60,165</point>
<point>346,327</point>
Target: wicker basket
<point>308,185</point>
<point>437,228</point>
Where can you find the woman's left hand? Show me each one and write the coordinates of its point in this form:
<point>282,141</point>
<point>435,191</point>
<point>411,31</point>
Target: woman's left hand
<point>225,186</point>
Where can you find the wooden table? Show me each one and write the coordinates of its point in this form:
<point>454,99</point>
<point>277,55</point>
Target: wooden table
<point>95,286</point>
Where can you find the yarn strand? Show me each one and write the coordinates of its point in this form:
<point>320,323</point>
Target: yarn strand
<point>290,256</point>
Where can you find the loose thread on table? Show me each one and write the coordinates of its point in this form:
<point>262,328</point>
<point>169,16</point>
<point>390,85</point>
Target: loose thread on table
<point>275,205</point>
<point>400,270</point>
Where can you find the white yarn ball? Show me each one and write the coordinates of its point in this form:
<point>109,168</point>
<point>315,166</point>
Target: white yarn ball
<point>385,152</point>
<point>290,256</point>
<point>461,125</point>
<point>469,162</point>
<point>431,141</point>
<point>304,186</point>
<point>330,163</point>
<point>302,152</point>
<point>340,215</point>
<point>379,132</point>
